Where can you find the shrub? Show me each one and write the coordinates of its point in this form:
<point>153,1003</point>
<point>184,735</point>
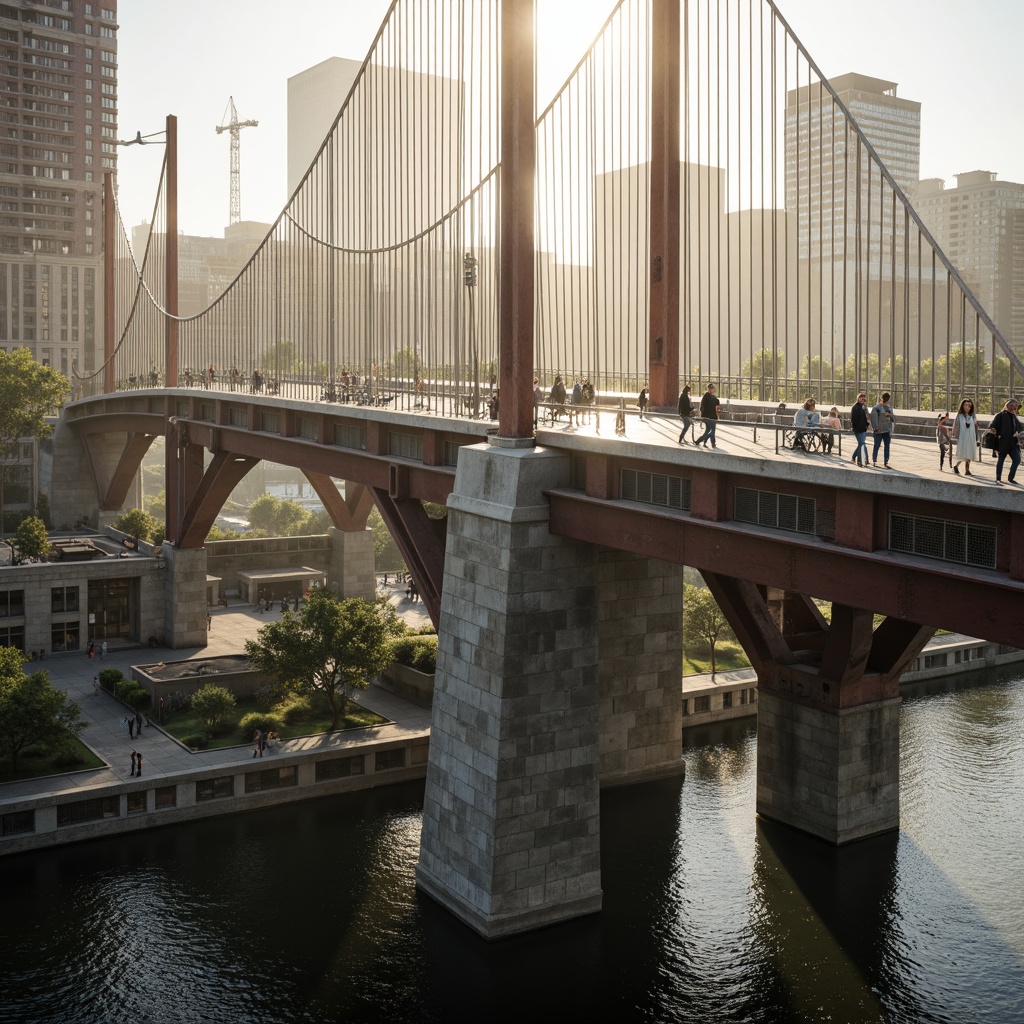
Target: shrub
<point>179,700</point>
<point>110,677</point>
<point>132,693</point>
<point>263,720</point>
<point>68,757</point>
<point>197,741</point>
<point>265,697</point>
<point>416,651</point>
<point>295,708</point>
<point>212,704</point>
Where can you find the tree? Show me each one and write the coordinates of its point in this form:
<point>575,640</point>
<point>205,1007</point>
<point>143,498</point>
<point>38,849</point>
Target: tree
<point>212,704</point>
<point>330,645</point>
<point>29,393</point>
<point>136,523</point>
<point>31,538</point>
<point>703,621</point>
<point>31,711</point>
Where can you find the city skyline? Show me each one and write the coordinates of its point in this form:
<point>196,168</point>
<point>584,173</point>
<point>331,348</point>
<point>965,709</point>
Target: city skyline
<point>151,84</point>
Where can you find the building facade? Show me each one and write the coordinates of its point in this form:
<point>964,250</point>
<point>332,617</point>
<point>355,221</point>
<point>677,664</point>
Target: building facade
<point>58,135</point>
<point>979,223</point>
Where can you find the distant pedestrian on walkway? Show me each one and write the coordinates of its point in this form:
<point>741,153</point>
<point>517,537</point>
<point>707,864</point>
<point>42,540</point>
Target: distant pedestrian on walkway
<point>131,727</point>
<point>686,413</point>
<point>95,686</point>
<point>859,425</point>
<point>138,764</point>
<point>138,723</point>
<point>944,440</point>
<point>92,649</point>
<point>642,401</point>
<point>160,711</point>
<point>965,433</point>
<point>882,420</point>
<point>257,739</point>
<point>103,649</point>
<point>709,414</point>
<point>134,756</point>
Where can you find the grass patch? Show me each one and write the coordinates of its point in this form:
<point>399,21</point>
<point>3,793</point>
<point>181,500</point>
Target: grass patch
<point>180,724</point>
<point>728,656</point>
<point>38,764</point>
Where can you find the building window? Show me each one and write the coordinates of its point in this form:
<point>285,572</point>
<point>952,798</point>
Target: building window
<point>350,436</point>
<point>339,768</point>
<point>654,489</point>
<point>12,636</point>
<point>779,511</point>
<point>727,699</point>
<point>12,603</point>
<point>405,446</point>
<point>17,823</point>
<point>686,707</point>
<point>166,796</point>
<point>137,802</point>
<point>64,599</point>
<point>88,810</point>
<point>215,789</point>
<point>64,636</point>
<point>272,778</point>
<point>389,760</point>
<point>701,704</point>
<point>935,660</point>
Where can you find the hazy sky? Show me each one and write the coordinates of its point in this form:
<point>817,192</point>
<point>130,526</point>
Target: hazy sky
<point>961,61</point>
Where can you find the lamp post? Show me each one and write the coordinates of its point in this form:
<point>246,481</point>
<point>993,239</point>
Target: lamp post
<point>469,279</point>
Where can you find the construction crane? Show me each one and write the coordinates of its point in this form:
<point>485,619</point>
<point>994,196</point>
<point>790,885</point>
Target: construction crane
<point>235,126</point>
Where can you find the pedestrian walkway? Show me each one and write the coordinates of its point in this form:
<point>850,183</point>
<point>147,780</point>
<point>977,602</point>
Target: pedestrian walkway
<point>162,755</point>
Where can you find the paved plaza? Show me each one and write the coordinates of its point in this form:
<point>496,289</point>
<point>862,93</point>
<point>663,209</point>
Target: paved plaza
<point>162,755</point>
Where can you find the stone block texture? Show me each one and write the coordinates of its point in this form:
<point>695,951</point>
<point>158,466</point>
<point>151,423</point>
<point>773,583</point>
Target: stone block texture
<point>351,566</point>
<point>511,826</point>
<point>185,596</point>
<point>639,641</point>
<point>832,773</point>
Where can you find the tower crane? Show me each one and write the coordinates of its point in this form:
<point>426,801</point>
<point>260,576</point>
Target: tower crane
<point>235,126</point>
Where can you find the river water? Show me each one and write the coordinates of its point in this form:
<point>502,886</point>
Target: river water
<point>309,912</point>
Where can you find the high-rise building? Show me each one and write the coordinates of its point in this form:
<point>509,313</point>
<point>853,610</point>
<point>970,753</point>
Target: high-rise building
<point>58,135</point>
<point>979,224</point>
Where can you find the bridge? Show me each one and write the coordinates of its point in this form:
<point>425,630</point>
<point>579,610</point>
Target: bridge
<point>696,203</point>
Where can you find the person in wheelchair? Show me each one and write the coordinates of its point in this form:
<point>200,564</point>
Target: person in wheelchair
<point>805,421</point>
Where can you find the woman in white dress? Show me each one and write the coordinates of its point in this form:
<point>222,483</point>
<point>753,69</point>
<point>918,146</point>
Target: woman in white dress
<point>965,434</point>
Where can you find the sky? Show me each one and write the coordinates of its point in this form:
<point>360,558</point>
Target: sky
<point>187,58</point>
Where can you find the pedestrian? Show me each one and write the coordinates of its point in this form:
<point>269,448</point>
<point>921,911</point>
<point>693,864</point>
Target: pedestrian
<point>859,426</point>
<point>642,401</point>
<point>805,420</point>
<point>138,765</point>
<point>830,424</point>
<point>92,649</point>
<point>882,420</point>
<point>209,622</point>
<point>138,723</point>
<point>103,649</point>
<point>944,440</point>
<point>257,738</point>
<point>537,396</point>
<point>95,686</point>
<point>576,402</point>
<point>709,415</point>
<point>686,413</point>
<point>134,756</point>
<point>160,711</point>
<point>557,398</point>
<point>965,433</point>
<point>1007,427</point>
<point>131,727</point>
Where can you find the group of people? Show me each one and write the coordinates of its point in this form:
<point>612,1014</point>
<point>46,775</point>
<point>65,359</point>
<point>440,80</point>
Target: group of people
<point>707,412</point>
<point>580,400</point>
<point>1003,435</point>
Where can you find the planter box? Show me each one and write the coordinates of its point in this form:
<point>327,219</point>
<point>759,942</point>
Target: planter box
<point>409,683</point>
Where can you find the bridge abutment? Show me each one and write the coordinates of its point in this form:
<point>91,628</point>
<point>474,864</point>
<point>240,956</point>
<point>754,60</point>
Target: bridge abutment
<point>351,567</point>
<point>511,823</point>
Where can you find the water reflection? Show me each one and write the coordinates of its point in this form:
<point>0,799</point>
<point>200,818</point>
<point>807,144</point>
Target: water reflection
<point>309,912</point>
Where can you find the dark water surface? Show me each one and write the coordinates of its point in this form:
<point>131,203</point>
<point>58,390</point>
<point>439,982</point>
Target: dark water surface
<point>309,912</point>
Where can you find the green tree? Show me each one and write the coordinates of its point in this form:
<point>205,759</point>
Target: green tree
<point>156,505</point>
<point>29,393</point>
<point>704,625</point>
<point>32,712</point>
<point>330,645</point>
<point>136,522</point>
<point>31,538</point>
<point>212,704</point>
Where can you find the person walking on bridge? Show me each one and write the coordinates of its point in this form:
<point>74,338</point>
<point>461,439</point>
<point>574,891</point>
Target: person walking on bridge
<point>965,433</point>
<point>859,426</point>
<point>686,414</point>
<point>1007,429</point>
<point>882,420</point>
<point>709,414</point>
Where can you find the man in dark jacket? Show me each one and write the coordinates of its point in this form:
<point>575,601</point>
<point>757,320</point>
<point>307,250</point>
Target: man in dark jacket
<point>859,425</point>
<point>1007,428</point>
<point>709,414</point>
<point>686,412</point>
